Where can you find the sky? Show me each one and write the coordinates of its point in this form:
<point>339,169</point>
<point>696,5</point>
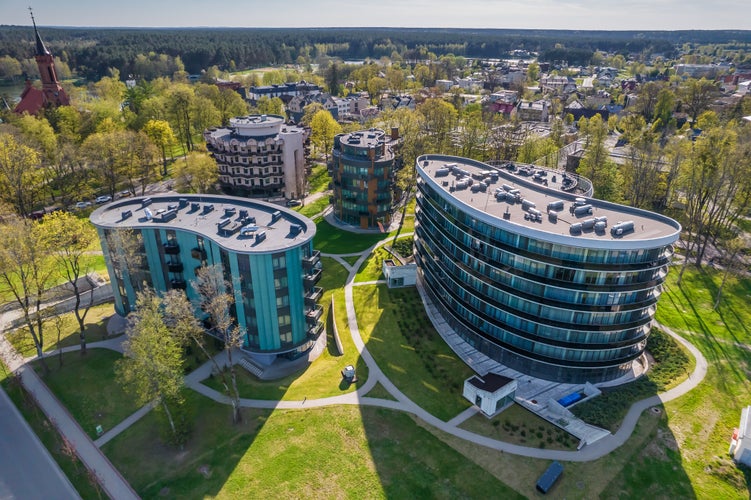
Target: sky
<point>518,14</point>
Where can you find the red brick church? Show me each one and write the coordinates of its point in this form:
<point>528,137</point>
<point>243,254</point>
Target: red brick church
<point>33,100</point>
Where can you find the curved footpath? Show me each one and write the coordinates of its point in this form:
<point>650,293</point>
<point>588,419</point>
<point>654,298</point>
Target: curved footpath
<point>117,487</point>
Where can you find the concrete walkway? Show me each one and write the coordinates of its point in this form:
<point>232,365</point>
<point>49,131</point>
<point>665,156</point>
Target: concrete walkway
<point>116,486</point>
<point>108,476</point>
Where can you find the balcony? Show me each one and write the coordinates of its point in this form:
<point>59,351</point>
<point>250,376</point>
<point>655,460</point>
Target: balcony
<point>198,254</point>
<point>178,284</point>
<point>315,330</point>
<point>314,314</point>
<point>309,263</point>
<point>312,279</point>
<point>313,296</point>
<point>171,248</point>
<point>175,267</point>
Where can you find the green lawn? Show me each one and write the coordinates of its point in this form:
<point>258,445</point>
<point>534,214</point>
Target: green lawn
<point>518,425</point>
<point>319,179</point>
<point>96,329</point>
<point>337,452</point>
<point>372,268</point>
<point>330,239</point>
<point>315,208</point>
<point>87,386</point>
<point>398,333</point>
<point>50,438</point>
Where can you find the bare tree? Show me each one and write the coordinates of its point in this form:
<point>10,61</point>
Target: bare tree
<point>215,300</point>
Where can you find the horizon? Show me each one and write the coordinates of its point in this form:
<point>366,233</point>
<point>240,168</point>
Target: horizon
<point>559,15</point>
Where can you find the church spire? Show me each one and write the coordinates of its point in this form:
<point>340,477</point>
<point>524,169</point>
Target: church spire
<point>41,49</point>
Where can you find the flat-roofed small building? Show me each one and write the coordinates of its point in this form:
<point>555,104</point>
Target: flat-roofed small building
<point>259,155</point>
<point>363,168</point>
<point>549,284</point>
<point>492,393</point>
<point>265,252</point>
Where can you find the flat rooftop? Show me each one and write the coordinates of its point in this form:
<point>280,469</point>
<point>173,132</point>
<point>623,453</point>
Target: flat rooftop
<point>365,138</point>
<point>216,217</point>
<point>535,195</point>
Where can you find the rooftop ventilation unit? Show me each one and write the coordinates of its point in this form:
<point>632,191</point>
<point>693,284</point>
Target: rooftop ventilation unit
<point>576,228</point>
<point>442,172</point>
<point>195,206</point>
<point>126,214</point>
<point>228,212</point>
<point>146,202</point>
<point>148,213</point>
<point>183,202</point>
<point>583,210</point>
<point>209,207</point>
<point>260,236</point>
<point>248,230</point>
<point>622,228</point>
<point>243,214</point>
<point>295,229</point>
<point>555,205</point>
<point>276,216</point>
<point>527,204</point>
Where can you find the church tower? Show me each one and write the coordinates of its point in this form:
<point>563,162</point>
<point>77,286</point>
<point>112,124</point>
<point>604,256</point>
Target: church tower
<point>52,94</point>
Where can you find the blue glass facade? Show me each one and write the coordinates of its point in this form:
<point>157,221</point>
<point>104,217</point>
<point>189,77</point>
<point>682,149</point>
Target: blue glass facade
<point>275,292</point>
<point>566,312</point>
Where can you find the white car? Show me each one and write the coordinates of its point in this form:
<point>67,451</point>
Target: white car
<point>83,204</point>
<point>103,199</point>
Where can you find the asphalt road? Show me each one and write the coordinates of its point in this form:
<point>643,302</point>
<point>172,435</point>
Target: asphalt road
<point>26,469</point>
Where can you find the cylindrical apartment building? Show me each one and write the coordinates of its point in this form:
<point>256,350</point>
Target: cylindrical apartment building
<point>265,252</point>
<point>363,168</point>
<point>553,286</point>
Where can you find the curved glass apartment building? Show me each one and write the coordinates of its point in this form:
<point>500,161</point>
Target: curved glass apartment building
<point>265,251</point>
<point>363,166</point>
<point>554,286</point>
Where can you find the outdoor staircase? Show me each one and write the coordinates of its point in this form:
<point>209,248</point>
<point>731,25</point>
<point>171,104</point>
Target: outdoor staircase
<point>251,367</point>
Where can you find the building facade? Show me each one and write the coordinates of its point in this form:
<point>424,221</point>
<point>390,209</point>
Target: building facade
<point>265,252</point>
<point>553,286</point>
<point>259,155</point>
<point>363,168</point>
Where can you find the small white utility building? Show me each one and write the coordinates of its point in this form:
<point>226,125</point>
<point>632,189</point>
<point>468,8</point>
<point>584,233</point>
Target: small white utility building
<point>492,393</point>
<point>398,276</point>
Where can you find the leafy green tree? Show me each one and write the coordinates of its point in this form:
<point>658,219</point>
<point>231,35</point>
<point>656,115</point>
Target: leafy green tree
<point>323,129</point>
<point>69,240</point>
<point>440,120</point>
<point>26,275</point>
<point>10,68</point>
<point>152,366</point>
<point>21,176</point>
<point>198,173</point>
<point>270,106</point>
<point>160,133</point>
<point>596,164</point>
<point>696,96</point>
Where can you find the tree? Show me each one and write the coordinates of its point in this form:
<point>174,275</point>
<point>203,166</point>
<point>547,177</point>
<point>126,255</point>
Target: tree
<point>270,106</point>
<point>152,366</point>
<point>160,133</point>
<point>323,129</point>
<point>139,167</point>
<point>10,68</point>
<point>440,119</point>
<point>215,301</point>
<point>179,108</point>
<point>696,96</point>
<point>309,112</point>
<point>21,175</point>
<point>181,320</point>
<point>198,173</point>
<point>731,251</point>
<point>596,164</point>
<point>26,274</point>
<point>69,239</point>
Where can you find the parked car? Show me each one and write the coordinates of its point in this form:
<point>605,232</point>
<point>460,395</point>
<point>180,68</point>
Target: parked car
<point>103,199</point>
<point>83,204</point>
<point>294,203</point>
